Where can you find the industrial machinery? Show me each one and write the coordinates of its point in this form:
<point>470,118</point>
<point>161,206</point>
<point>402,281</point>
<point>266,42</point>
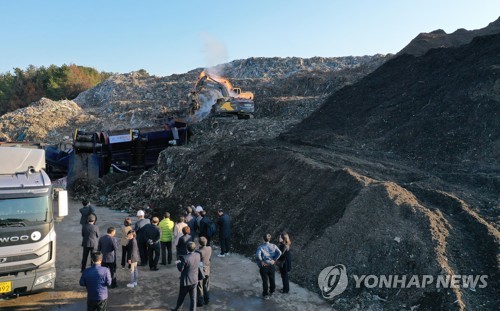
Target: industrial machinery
<point>99,153</point>
<point>216,96</point>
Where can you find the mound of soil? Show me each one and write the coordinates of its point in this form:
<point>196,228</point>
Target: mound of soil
<point>440,109</point>
<point>439,39</point>
<point>335,215</point>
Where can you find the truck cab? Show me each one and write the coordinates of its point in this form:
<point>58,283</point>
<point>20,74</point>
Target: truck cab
<point>27,221</point>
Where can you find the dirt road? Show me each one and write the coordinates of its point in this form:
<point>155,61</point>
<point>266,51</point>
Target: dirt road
<point>236,284</point>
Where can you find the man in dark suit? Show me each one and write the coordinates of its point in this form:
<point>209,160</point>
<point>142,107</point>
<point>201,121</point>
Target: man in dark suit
<point>206,227</point>
<point>152,234</point>
<point>142,242</point>
<point>188,265</point>
<point>109,245</point>
<point>90,234</point>
<point>181,247</point>
<point>224,224</point>
<point>86,211</point>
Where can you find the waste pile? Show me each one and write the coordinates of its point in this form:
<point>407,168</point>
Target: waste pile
<point>288,88</point>
<point>360,160</point>
<point>380,180</point>
<point>43,121</point>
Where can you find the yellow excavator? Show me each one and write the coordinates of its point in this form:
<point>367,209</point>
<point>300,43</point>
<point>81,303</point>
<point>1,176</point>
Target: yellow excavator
<point>216,96</point>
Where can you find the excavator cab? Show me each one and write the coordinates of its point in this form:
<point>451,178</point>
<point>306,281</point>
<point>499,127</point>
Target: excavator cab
<point>221,97</point>
<point>240,107</point>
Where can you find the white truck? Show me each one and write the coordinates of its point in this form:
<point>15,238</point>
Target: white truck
<point>27,221</point>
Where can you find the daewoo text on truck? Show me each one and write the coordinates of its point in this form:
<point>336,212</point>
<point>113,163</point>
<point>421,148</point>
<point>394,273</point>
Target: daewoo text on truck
<point>27,221</point>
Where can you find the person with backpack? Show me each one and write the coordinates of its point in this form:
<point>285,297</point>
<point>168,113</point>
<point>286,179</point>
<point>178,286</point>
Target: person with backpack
<point>207,227</point>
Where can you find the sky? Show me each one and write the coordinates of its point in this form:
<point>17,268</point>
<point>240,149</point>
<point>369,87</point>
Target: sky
<point>166,37</point>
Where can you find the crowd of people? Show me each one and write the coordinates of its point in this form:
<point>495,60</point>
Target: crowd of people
<point>151,241</point>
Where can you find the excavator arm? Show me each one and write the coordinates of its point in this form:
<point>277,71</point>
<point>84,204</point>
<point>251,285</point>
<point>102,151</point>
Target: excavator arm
<point>216,95</point>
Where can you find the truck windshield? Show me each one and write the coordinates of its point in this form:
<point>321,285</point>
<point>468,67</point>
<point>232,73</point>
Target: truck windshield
<point>25,211</point>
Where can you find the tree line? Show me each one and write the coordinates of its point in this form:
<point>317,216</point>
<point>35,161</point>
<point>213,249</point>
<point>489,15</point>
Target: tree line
<point>22,87</point>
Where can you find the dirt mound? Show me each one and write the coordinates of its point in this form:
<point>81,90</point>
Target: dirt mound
<point>440,109</point>
<point>336,215</point>
<point>440,39</point>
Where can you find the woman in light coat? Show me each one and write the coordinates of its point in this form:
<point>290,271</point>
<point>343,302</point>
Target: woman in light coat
<point>127,226</point>
<point>178,231</point>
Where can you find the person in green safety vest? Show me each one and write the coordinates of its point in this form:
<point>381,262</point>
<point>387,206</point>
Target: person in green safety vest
<point>166,237</point>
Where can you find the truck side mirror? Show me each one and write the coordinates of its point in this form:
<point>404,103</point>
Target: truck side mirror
<point>62,203</point>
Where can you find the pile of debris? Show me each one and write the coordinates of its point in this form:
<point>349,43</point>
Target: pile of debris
<point>371,157</point>
<point>277,67</point>
<point>143,187</point>
<point>298,86</point>
<point>368,180</point>
<point>138,100</point>
<point>42,121</point>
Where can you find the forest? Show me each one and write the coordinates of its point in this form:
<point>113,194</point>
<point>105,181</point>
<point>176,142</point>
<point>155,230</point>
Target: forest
<point>22,87</point>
